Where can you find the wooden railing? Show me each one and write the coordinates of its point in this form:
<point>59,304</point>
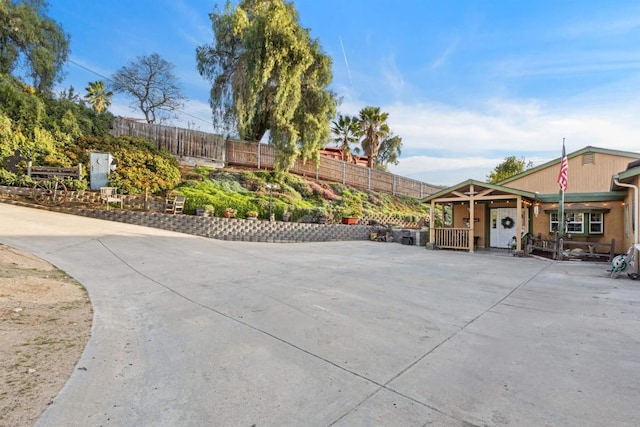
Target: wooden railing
<point>452,238</point>
<point>191,143</point>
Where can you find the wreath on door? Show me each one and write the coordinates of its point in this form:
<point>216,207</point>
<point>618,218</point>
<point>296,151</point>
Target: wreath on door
<point>507,222</point>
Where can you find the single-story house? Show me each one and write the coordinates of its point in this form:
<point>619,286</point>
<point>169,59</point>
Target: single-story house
<point>600,204</point>
<point>336,153</point>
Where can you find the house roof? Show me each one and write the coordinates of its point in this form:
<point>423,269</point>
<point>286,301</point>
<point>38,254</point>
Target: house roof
<point>588,149</point>
<point>464,188</point>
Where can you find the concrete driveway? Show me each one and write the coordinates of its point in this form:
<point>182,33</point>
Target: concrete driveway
<point>190,331</point>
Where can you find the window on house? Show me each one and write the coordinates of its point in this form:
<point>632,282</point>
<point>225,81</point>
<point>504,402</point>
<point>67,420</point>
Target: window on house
<point>579,222</point>
<point>596,223</point>
<point>575,222</point>
<point>553,222</point>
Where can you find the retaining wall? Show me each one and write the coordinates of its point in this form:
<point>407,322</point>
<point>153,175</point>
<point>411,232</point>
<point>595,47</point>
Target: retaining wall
<point>213,227</point>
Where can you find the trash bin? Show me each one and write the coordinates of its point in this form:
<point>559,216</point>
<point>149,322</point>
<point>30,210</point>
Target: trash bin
<point>407,237</point>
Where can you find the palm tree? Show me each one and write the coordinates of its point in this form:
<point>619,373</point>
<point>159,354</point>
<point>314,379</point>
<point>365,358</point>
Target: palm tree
<point>347,132</point>
<point>373,124</point>
<point>97,96</point>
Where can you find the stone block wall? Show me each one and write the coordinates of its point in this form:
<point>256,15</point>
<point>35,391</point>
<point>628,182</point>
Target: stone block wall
<point>212,227</point>
<point>235,229</point>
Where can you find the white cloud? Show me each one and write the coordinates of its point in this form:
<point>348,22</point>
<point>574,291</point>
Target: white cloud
<point>444,56</point>
<point>446,145</point>
<point>606,26</point>
<point>445,170</point>
<point>392,75</point>
<point>567,63</point>
<point>509,126</point>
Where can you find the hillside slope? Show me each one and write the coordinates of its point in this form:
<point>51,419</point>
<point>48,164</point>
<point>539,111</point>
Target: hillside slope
<point>300,198</point>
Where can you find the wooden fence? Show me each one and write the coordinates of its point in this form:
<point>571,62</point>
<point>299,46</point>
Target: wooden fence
<point>559,248</point>
<point>191,143</point>
<point>178,141</point>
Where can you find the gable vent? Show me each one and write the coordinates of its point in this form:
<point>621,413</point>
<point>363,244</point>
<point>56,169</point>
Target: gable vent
<point>589,159</point>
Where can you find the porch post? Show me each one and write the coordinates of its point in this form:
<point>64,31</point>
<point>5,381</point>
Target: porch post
<point>471,221</point>
<point>527,225</point>
<point>432,223</point>
<point>519,223</point>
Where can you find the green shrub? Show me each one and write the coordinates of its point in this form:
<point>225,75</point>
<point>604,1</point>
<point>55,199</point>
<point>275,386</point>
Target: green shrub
<point>140,165</point>
<point>7,178</point>
<point>76,184</point>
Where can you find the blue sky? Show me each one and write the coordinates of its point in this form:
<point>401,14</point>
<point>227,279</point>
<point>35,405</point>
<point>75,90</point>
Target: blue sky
<point>465,83</point>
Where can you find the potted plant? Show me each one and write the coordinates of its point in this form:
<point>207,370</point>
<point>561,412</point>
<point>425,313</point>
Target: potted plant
<point>252,215</point>
<point>350,220</point>
<point>351,213</point>
<point>321,215</point>
<point>286,215</point>
<point>229,213</point>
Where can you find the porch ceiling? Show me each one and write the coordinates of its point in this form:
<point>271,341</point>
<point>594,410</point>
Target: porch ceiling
<point>593,207</point>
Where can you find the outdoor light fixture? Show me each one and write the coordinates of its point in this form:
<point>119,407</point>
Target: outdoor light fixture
<point>536,210</point>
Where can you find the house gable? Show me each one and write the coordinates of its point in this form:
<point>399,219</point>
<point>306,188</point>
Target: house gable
<point>461,191</point>
<point>590,170</point>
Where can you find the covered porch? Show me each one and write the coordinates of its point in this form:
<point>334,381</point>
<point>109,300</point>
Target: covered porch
<point>481,215</point>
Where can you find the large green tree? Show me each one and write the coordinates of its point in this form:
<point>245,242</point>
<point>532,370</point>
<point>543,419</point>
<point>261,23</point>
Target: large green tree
<point>346,131</point>
<point>389,151</point>
<point>152,84</point>
<point>374,127</point>
<point>268,74</point>
<point>32,45</point>
<point>509,167</point>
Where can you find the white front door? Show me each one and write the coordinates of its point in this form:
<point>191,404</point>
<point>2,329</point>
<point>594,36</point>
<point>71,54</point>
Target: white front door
<point>502,227</point>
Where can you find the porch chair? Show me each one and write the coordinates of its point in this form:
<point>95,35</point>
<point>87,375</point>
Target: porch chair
<point>174,205</point>
<point>110,195</point>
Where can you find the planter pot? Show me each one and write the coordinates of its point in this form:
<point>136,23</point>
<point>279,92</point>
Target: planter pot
<point>228,214</point>
<point>349,221</point>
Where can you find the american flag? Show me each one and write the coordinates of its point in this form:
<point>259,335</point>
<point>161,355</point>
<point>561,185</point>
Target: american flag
<point>563,179</point>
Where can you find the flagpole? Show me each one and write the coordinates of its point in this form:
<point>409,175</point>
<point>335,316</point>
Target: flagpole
<point>562,181</point>
<point>561,221</point>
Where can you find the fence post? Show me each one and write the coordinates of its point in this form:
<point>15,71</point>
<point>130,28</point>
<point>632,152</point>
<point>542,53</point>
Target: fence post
<point>317,172</point>
<point>258,155</point>
<point>393,186</point>
<point>612,252</point>
<point>560,241</point>
<point>344,173</point>
<point>369,179</point>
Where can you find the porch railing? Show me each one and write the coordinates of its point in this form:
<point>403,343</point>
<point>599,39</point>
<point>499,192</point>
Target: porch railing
<point>452,238</point>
